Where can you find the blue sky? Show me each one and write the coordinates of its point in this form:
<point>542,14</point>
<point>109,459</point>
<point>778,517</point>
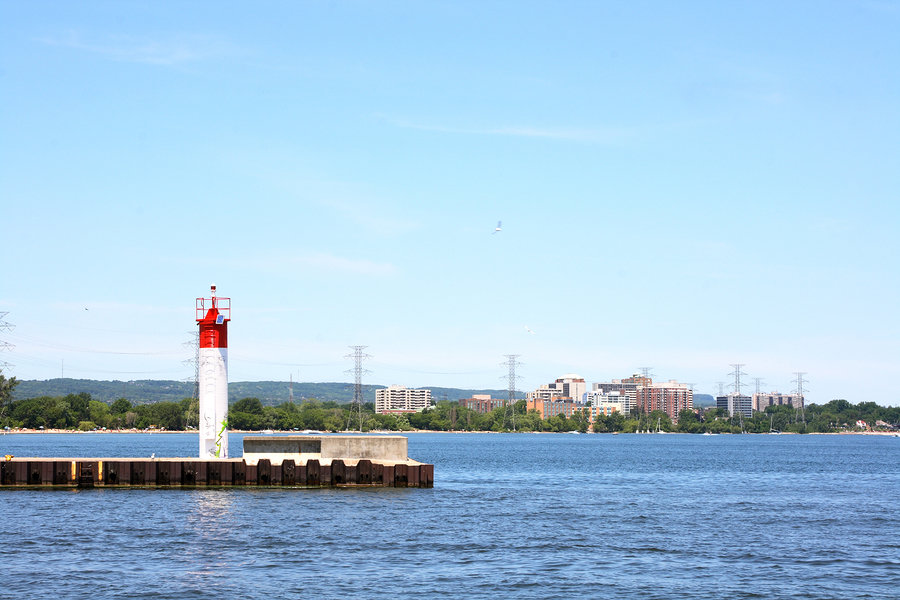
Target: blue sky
<point>682,186</point>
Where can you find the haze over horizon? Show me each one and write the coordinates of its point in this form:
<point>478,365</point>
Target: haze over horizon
<point>682,186</point>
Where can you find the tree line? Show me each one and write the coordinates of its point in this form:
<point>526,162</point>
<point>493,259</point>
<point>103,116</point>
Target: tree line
<point>82,412</point>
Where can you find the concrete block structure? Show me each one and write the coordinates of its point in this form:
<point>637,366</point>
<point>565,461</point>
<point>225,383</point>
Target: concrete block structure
<point>325,448</point>
<point>269,461</point>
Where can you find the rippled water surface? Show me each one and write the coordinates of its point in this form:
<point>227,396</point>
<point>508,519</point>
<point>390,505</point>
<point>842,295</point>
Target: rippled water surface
<point>520,516</point>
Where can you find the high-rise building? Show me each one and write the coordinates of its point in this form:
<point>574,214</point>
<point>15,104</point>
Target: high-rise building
<point>735,404</point>
<point>627,387</point>
<point>761,401</point>
<point>569,386</point>
<point>397,399</point>
<point>670,397</point>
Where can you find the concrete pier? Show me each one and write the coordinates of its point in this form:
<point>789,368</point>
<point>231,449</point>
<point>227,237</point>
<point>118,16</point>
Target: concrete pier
<point>269,461</point>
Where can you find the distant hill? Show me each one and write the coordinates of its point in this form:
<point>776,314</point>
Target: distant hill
<point>704,400</point>
<point>269,392</point>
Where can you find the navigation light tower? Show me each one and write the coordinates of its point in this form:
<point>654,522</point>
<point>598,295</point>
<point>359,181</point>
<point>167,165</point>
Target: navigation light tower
<point>212,316</point>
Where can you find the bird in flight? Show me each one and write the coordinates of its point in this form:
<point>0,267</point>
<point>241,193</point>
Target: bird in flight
<point>528,329</point>
<point>498,229</point>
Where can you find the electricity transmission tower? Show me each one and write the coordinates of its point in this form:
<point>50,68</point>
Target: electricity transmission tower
<point>758,381</point>
<point>509,418</point>
<point>799,381</point>
<point>737,378</point>
<point>193,345</point>
<point>4,326</point>
<point>358,357</point>
<point>646,372</point>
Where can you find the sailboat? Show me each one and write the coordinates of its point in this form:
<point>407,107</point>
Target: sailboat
<point>772,430</point>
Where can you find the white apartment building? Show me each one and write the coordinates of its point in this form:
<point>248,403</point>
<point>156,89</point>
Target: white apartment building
<point>606,403</point>
<point>397,398</point>
<point>627,387</point>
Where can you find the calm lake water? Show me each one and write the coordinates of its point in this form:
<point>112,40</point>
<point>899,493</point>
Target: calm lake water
<point>511,515</point>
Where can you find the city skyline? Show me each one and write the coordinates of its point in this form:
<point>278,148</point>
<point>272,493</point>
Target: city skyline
<point>681,186</point>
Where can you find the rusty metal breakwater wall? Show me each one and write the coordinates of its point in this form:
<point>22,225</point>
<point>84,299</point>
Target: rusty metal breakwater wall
<point>53,473</point>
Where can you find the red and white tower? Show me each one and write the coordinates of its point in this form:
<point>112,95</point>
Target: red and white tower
<point>213,315</point>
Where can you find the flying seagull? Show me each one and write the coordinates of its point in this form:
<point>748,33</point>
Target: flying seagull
<point>498,229</point>
<point>528,329</point>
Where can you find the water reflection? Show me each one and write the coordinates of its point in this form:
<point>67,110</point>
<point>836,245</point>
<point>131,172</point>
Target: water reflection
<point>210,536</point>
<point>210,508</point>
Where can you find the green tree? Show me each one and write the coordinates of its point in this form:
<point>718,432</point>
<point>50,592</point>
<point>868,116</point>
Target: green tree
<point>248,405</point>
<point>78,407</point>
<point>120,406</point>
<point>191,408</point>
<point>581,419</point>
<point>530,421</point>
<point>247,414</point>
<point>6,390</point>
<point>658,419</point>
<point>688,422</point>
<point>169,415</point>
<point>98,413</point>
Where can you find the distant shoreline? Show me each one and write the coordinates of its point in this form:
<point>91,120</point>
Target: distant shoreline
<point>384,432</point>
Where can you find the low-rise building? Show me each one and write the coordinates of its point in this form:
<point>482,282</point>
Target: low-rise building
<point>482,403</point>
<point>399,399</point>
<point>550,408</point>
